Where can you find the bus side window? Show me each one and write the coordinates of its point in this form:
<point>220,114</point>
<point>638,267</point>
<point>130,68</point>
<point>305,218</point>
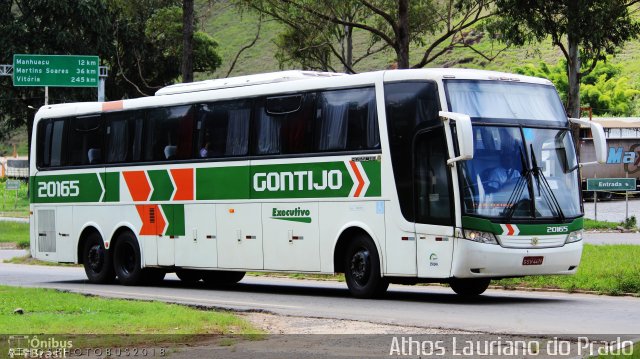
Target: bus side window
<point>410,106</point>
<point>283,124</point>
<point>124,136</point>
<point>169,133</point>
<point>45,128</point>
<point>86,138</point>
<point>51,143</point>
<point>223,129</point>
<point>347,120</point>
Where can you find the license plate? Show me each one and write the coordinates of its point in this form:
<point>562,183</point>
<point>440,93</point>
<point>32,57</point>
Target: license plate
<point>532,261</point>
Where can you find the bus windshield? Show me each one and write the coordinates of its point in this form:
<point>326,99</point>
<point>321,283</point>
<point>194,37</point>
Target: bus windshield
<point>506,102</point>
<point>520,169</point>
<point>521,173</point>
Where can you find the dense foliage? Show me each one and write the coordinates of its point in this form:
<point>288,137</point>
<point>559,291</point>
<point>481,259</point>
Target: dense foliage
<point>139,41</point>
<point>605,89</point>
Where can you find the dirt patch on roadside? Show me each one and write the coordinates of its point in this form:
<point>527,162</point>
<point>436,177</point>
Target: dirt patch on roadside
<point>278,324</point>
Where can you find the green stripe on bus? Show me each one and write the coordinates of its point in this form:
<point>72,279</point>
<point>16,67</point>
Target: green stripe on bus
<point>486,225</point>
<point>175,219</point>
<point>294,219</point>
<point>222,183</point>
<point>111,182</point>
<point>301,180</point>
<point>336,179</point>
<point>161,184</point>
<point>372,168</point>
<point>77,187</point>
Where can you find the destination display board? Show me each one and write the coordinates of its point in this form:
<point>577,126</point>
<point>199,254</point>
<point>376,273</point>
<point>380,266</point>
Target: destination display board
<point>55,70</point>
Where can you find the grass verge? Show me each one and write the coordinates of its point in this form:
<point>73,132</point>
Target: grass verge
<point>15,232</point>
<point>631,354</point>
<point>49,311</point>
<point>608,269</point>
<point>12,205</point>
<point>591,224</point>
<point>32,261</point>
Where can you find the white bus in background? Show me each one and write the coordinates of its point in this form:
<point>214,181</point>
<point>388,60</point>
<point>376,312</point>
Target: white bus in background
<point>433,175</point>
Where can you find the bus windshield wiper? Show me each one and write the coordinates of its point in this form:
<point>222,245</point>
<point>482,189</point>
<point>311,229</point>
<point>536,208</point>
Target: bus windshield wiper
<point>544,188</point>
<point>516,194</point>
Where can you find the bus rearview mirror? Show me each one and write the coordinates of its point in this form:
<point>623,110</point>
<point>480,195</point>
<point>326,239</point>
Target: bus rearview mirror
<point>464,134</point>
<point>599,140</point>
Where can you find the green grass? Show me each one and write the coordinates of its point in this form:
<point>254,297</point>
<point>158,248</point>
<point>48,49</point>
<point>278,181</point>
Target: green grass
<point>635,353</point>
<point>609,269</point>
<point>48,311</point>
<point>15,232</point>
<point>590,224</point>
<point>32,261</point>
<point>12,206</point>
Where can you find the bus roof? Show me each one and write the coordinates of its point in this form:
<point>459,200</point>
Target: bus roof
<point>236,87</point>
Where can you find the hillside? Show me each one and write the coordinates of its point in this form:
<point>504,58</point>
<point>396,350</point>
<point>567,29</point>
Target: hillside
<point>233,30</point>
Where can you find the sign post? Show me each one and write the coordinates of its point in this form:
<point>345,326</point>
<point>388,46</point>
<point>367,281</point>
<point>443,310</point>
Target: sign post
<point>11,185</point>
<point>611,184</point>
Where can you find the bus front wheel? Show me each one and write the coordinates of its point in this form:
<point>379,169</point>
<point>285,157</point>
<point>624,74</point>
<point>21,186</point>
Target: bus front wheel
<point>362,269</point>
<point>96,261</point>
<point>469,287</point>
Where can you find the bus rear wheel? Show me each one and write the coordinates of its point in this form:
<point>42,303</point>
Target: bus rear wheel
<point>222,278</point>
<point>126,260</point>
<point>362,269</point>
<point>469,287</point>
<point>96,261</point>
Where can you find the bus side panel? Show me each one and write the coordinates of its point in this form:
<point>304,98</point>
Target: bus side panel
<point>291,231</point>
<point>335,217</point>
<point>400,250</point>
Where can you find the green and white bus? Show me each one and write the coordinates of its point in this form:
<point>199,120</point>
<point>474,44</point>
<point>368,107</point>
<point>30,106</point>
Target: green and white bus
<point>432,175</point>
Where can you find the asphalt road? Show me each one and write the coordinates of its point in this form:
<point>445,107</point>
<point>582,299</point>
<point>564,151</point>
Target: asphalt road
<point>509,312</point>
<point>612,211</point>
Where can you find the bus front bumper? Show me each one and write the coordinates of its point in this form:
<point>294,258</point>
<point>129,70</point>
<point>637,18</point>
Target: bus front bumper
<point>474,260</point>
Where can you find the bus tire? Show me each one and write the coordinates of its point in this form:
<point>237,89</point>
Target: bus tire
<point>189,276</point>
<point>126,260</point>
<point>96,260</point>
<point>222,278</point>
<point>362,269</point>
<point>469,287</point>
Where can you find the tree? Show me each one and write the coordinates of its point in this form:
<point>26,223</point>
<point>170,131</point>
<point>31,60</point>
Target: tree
<point>604,89</point>
<point>318,30</point>
<point>42,27</point>
<point>584,31</point>
<point>187,40</point>
<point>139,41</point>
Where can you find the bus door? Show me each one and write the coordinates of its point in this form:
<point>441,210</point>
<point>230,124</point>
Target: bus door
<point>433,204</point>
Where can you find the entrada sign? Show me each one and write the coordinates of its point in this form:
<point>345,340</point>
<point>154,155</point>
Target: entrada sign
<point>611,184</point>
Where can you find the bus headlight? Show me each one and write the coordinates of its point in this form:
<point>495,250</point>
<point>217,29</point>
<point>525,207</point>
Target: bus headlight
<point>574,236</point>
<point>480,237</point>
